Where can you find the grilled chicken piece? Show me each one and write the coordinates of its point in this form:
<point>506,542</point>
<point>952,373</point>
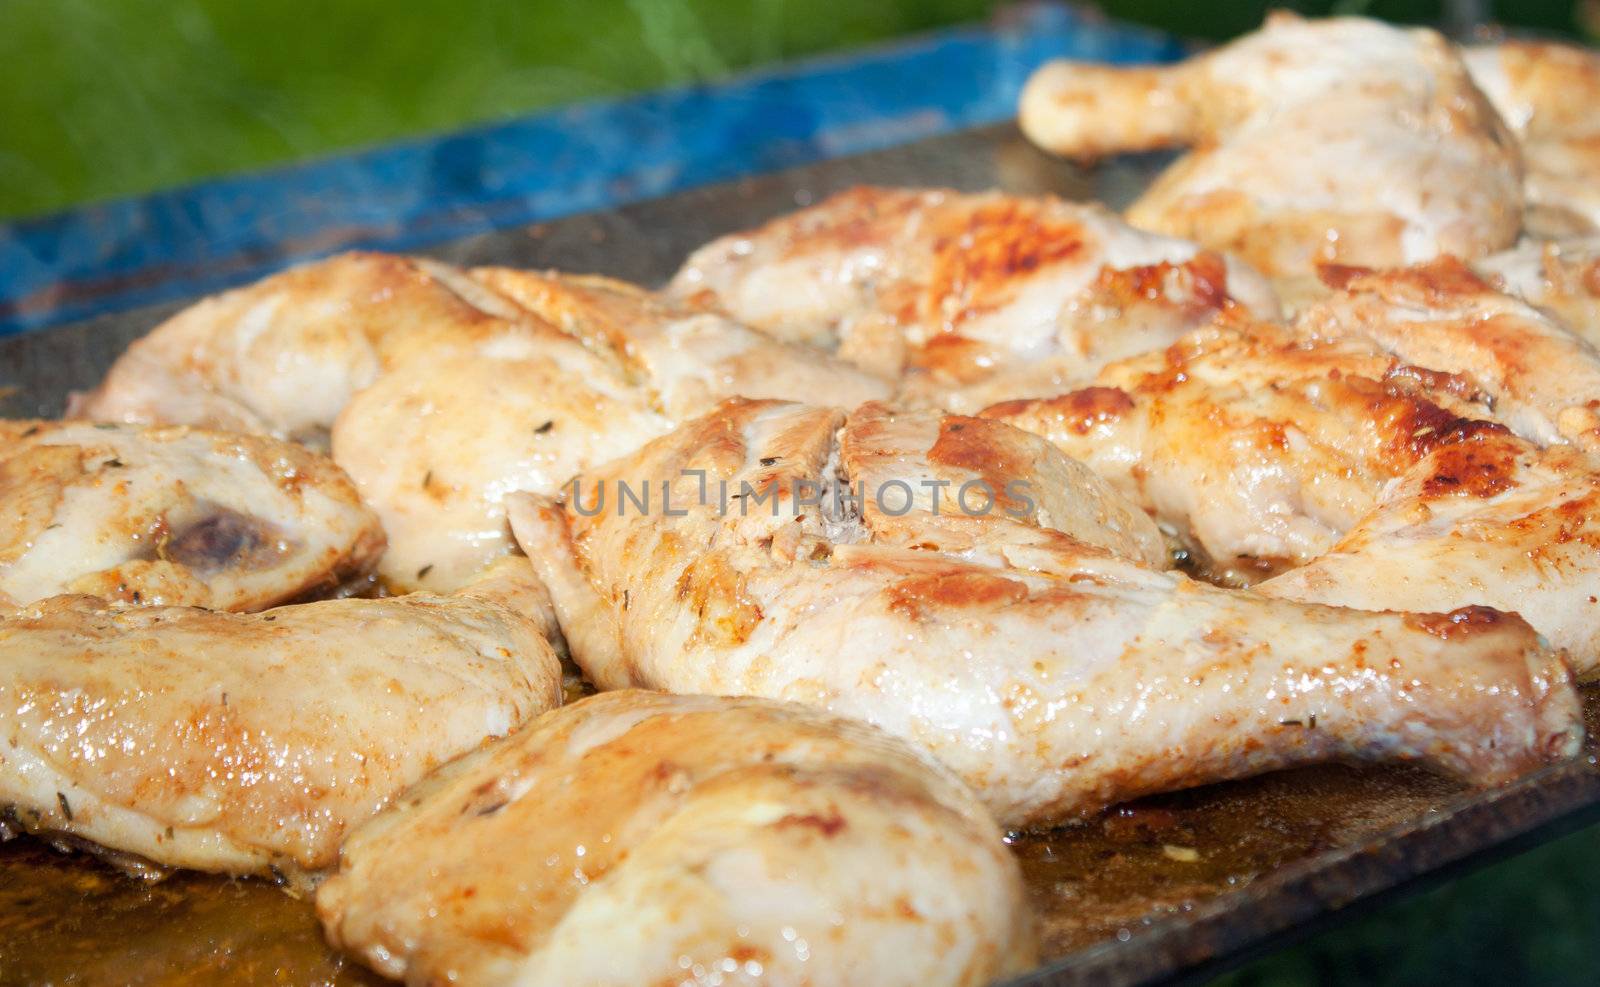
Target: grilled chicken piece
<point>1054,676</point>
<point>1391,483</point>
<point>687,358</point>
<point>251,744</point>
<point>1549,94</point>
<point>1488,519</point>
<point>282,356</point>
<point>173,516</point>
<point>400,356</point>
<point>601,368</point>
<point>1257,448</point>
<point>1543,378</point>
<point>1559,276</point>
<point>973,298</point>
<point>733,841</point>
<point>1340,140</point>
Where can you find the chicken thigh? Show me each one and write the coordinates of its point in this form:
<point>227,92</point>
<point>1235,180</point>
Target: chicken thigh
<point>1341,140</point>
<point>1549,94</point>
<point>1391,484</point>
<point>970,298</point>
<point>173,516</point>
<point>637,838</point>
<point>1543,378</point>
<point>1054,675</point>
<point>250,744</point>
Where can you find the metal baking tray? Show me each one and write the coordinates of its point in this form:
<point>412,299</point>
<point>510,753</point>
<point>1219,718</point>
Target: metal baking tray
<point>1276,855</point>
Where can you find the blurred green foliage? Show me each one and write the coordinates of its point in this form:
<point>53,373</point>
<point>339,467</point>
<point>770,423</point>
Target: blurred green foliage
<point>114,97</point>
<point>108,98</point>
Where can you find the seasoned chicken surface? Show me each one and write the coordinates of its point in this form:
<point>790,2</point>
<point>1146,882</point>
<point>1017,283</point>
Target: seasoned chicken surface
<point>1490,520</point>
<point>1560,276</point>
<point>1386,471</point>
<point>638,838</point>
<point>1543,378</point>
<point>173,516</point>
<point>282,356</point>
<point>445,389</point>
<point>603,367</point>
<point>971,298</point>
<point>1053,675</point>
<point>1257,448</point>
<point>1341,140</point>
<point>1549,94</point>
<point>251,744</point>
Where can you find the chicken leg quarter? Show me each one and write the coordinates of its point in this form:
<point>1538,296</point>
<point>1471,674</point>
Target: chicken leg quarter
<point>1055,675</point>
<point>1342,140</point>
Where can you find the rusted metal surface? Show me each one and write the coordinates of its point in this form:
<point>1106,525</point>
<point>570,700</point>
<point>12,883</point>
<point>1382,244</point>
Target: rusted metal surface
<point>1167,887</point>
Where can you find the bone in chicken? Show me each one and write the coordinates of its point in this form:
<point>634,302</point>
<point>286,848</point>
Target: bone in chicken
<point>399,359</point>
<point>969,298</point>
<point>1055,676</point>
<point>252,743</point>
<point>173,516</point>
<point>1342,140</point>
<point>1363,478</point>
<point>639,838</point>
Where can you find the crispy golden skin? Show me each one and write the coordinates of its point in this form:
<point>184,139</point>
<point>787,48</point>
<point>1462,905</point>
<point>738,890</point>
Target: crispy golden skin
<point>1415,442</point>
<point>636,838</point>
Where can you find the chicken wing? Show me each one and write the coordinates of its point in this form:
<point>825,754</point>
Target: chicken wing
<point>173,516</point>
<point>1054,676</point>
<point>732,841</point>
<point>972,298</point>
<point>250,744</point>
<point>1341,140</point>
<point>1549,94</point>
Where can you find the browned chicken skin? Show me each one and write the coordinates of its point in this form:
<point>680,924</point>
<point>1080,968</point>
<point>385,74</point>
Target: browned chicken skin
<point>1390,451</point>
<point>1341,140</point>
<point>968,298</point>
<point>252,743</point>
<point>1054,675</point>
